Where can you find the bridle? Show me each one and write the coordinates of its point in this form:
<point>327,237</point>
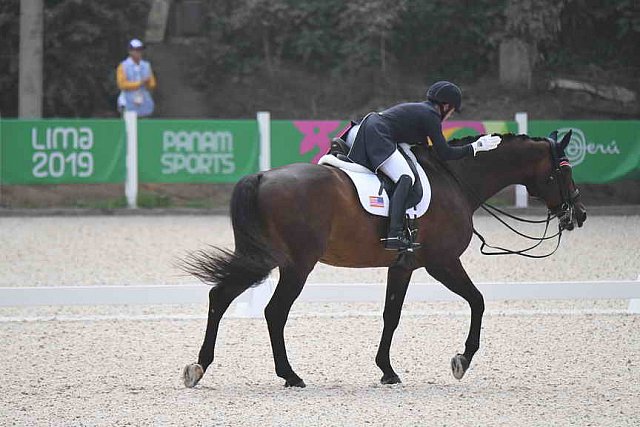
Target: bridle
<point>564,210</point>
<point>568,199</point>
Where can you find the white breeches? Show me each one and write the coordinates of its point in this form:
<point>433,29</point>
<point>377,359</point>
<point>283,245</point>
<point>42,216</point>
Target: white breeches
<point>396,166</point>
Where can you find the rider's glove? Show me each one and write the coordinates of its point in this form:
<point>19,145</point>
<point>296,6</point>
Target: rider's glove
<point>486,143</point>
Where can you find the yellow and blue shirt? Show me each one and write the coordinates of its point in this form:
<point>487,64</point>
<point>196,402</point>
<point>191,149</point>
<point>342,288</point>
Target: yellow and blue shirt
<point>135,95</point>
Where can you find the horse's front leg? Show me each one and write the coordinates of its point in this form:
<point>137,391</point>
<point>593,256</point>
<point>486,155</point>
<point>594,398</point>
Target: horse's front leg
<point>455,278</point>
<point>397,283</point>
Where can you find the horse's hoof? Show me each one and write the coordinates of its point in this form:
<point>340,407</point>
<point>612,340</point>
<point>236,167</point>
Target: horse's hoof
<point>391,379</point>
<point>192,374</point>
<point>295,382</point>
<point>459,365</point>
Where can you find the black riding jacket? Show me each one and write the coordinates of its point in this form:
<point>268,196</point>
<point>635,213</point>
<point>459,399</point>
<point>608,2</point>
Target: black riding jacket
<point>412,123</point>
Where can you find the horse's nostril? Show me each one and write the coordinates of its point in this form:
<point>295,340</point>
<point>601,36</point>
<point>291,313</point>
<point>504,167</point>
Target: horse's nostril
<point>581,218</point>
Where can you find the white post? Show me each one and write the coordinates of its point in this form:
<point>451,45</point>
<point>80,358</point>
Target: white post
<point>260,295</point>
<point>131,183</point>
<point>522,198</point>
<point>634,304</point>
<point>264,128</point>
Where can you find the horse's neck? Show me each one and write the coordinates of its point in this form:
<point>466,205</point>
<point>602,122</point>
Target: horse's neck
<point>489,172</point>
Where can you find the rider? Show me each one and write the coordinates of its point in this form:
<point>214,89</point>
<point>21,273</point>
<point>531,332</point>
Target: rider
<point>374,142</point>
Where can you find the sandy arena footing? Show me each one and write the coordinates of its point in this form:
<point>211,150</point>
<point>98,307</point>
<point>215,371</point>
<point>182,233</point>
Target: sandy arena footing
<point>540,363</point>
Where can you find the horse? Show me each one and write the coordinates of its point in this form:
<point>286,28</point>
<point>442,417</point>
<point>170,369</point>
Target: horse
<point>297,215</point>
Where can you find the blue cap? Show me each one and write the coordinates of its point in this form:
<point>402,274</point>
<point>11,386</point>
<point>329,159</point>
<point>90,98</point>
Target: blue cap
<point>136,44</point>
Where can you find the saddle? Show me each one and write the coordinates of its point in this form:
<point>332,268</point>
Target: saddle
<point>340,150</point>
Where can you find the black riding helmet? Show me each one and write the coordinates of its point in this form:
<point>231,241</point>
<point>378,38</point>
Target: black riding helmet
<point>444,92</point>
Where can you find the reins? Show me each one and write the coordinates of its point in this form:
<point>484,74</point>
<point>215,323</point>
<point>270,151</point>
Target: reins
<point>498,250</point>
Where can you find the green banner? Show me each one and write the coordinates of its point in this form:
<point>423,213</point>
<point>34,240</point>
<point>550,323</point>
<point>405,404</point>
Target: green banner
<point>307,140</point>
<point>197,150</point>
<point>62,151</point>
<point>600,151</point>
<point>174,151</point>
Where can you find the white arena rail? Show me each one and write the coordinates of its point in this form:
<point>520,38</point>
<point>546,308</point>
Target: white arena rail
<point>252,302</point>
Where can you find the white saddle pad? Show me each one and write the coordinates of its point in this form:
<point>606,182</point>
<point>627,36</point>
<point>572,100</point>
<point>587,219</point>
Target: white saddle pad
<point>368,185</point>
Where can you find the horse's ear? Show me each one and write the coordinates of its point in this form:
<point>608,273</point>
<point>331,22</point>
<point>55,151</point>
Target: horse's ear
<point>553,136</point>
<point>566,139</point>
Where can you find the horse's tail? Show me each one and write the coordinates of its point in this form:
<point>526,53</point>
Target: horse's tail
<point>253,258</point>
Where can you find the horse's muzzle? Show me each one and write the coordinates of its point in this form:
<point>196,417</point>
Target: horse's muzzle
<point>572,214</point>
<point>579,213</point>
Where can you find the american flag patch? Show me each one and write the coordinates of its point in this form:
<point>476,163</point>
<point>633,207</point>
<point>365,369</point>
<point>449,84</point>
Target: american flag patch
<point>376,201</point>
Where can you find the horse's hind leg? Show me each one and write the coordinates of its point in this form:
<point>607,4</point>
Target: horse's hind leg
<point>219,300</point>
<point>397,283</point>
<point>455,278</point>
<point>291,282</point>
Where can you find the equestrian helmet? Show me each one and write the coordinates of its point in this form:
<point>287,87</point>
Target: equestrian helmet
<point>444,92</point>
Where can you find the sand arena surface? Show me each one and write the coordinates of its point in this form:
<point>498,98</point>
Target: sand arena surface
<point>542,363</point>
<point>143,250</point>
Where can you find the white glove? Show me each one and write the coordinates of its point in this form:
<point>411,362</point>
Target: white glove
<point>486,143</point>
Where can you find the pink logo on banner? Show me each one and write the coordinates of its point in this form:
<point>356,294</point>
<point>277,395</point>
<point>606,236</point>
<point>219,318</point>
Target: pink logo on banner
<point>316,134</point>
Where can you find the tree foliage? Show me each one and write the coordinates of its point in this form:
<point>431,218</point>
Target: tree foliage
<point>577,33</point>
<point>83,43</point>
<point>449,39</point>
<point>344,40</point>
<point>604,33</point>
<point>9,34</point>
<point>344,36</point>
<point>369,26</point>
<point>533,21</point>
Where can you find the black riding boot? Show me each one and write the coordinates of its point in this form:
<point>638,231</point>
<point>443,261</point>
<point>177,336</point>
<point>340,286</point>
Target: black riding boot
<point>397,240</point>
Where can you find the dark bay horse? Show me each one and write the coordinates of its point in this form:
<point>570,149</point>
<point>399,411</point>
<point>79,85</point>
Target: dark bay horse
<point>294,216</point>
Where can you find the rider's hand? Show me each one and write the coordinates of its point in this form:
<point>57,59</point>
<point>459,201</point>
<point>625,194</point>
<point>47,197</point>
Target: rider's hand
<point>486,143</point>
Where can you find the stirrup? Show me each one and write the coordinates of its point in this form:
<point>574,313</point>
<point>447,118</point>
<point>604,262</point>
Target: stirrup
<point>399,243</point>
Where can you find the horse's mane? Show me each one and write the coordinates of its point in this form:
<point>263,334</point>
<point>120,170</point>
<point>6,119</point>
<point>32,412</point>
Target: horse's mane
<point>426,158</point>
<point>505,137</point>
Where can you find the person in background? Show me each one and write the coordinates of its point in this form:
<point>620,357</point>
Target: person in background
<point>135,80</point>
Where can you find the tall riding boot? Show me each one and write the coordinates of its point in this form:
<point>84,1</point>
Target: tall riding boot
<point>396,239</point>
